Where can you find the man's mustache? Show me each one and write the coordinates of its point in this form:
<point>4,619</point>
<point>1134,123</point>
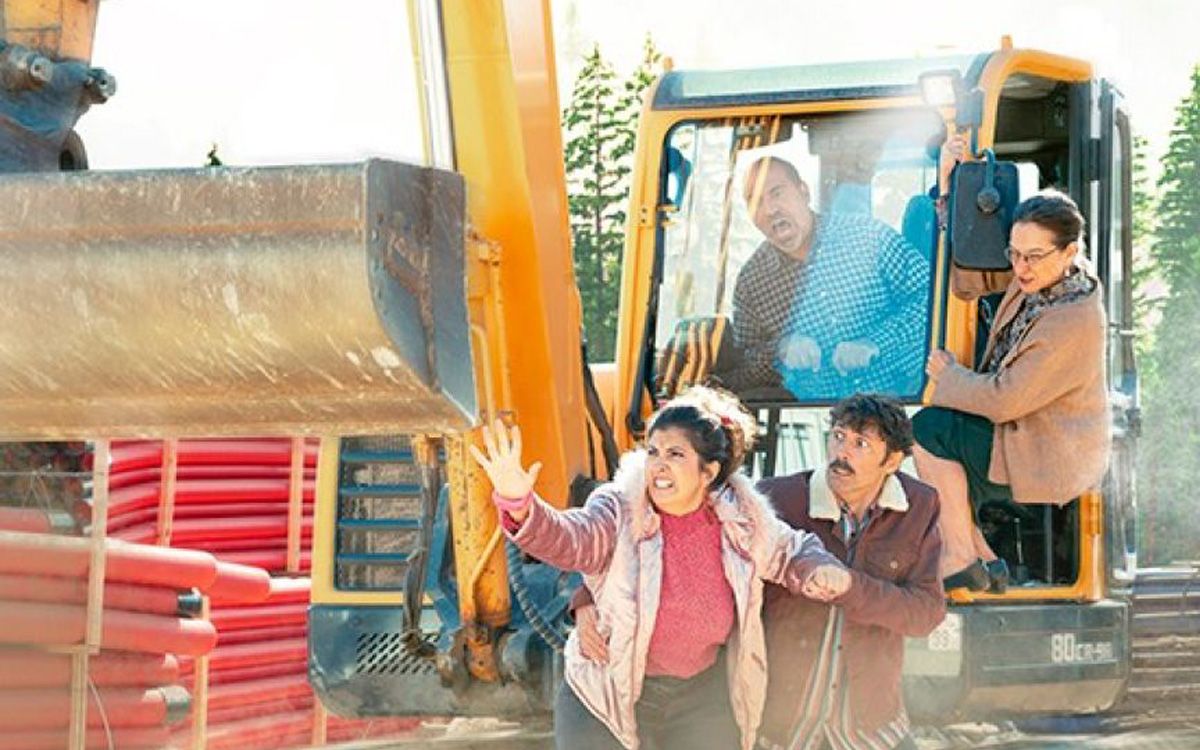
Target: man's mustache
<point>841,465</point>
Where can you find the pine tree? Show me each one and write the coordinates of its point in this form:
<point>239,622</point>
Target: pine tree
<point>594,198</point>
<point>600,125</point>
<point>629,105</point>
<point>1147,286</point>
<point>1170,459</point>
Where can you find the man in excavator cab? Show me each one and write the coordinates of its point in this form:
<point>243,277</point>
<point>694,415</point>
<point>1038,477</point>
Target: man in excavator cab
<point>827,304</point>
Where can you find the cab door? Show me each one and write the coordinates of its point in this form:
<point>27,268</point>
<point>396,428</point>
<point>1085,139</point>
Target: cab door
<point>1114,260</point>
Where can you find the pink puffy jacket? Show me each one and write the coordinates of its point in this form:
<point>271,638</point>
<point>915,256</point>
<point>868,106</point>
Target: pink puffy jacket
<point>614,541</point>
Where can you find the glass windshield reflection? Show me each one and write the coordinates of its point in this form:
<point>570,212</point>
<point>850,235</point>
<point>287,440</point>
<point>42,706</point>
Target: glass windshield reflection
<point>797,266</point>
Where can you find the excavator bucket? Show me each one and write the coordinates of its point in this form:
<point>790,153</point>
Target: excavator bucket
<point>286,300</point>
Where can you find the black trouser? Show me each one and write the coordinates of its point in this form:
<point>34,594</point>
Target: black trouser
<point>672,714</point>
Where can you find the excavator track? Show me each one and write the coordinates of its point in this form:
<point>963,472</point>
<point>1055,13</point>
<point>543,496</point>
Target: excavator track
<point>1166,643</point>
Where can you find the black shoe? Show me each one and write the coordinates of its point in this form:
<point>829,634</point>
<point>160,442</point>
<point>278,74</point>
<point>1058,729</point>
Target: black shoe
<point>997,571</point>
<point>974,577</point>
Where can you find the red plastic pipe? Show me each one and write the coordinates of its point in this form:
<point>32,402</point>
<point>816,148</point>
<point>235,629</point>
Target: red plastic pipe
<point>287,590</point>
<point>211,510</point>
<point>201,533</point>
<point>207,510</point>
<point>250,635</point>
<point>127,596</point>
<point>260,672</point>
<point>233,714</point>
<point>259,616</point>
<point>38,623</point>
<point>279,730</point>
<point>153,474</point>
<point>30,668</point>
<point>221,547</point>
<point>29,554</point>
<point>250,654</point>
<point>272,560</point>
<point>258,691</point>
<point>242,584</point>
<point>239,673</point>
<point>197,491</point>
<point>121,707</point>
<point>127,456</point>
<point>96,739</point>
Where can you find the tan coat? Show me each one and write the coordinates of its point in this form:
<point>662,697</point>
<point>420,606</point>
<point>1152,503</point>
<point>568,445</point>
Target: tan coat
<point>614,540</point>
<point>1048,400</point>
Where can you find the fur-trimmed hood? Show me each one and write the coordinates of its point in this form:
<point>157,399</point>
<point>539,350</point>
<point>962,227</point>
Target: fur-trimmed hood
<point>743,510</point>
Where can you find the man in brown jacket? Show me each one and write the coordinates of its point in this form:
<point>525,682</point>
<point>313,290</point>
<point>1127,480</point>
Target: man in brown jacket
<point>834,669</point>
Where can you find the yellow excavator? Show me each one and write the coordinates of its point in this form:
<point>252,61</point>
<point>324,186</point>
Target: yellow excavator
<point>391,309</point>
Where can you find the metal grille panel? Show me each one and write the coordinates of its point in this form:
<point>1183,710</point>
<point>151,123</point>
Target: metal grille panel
<point>385,654</point>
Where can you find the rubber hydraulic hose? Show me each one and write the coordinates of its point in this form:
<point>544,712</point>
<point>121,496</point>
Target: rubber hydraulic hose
<point>538,621</point>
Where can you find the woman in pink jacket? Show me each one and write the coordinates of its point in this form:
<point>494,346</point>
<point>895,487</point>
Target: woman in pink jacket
<point>674,550</point>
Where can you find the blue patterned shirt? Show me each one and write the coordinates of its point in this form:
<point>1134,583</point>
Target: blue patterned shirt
<point>861,281</point>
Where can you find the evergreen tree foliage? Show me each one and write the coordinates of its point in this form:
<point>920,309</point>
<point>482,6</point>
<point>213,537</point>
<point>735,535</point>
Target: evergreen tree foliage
<point>600,124</point>
<point>1170,452</point>
<point>1148,288</point>
<point>629,103</point>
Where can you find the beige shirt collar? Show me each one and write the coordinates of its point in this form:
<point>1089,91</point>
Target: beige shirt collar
<point>822,503</point>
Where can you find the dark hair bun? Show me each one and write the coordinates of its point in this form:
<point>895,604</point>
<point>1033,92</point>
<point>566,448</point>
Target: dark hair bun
<point>720,428</point>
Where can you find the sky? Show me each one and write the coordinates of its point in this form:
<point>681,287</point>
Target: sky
<point>1147,47</point>
<point>275,82</point>
<point>268,81</point>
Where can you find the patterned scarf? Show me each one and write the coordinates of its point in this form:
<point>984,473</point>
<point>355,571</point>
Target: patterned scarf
<point>1071,287</point>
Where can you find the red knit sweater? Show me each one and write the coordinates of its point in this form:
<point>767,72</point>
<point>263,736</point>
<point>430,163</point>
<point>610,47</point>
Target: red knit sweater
<point>696,609</point>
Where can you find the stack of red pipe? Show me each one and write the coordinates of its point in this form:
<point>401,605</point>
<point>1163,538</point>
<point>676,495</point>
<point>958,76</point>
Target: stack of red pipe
<point>231,497</point>
<point>258,670</point>
<point>135,694</point>
<point>258,693</point>
<point>150,595</point>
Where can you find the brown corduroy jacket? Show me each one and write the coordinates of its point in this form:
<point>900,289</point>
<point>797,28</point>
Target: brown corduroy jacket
<point>1048,400</point>
<point>896,592</point>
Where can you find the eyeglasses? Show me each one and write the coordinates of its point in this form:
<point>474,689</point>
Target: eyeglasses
<point>1031,258</point>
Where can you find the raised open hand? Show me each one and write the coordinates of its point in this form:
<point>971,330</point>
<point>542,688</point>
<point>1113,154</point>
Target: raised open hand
<point>503,462</point>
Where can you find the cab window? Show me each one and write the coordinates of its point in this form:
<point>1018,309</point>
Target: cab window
<point>797,260</point>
